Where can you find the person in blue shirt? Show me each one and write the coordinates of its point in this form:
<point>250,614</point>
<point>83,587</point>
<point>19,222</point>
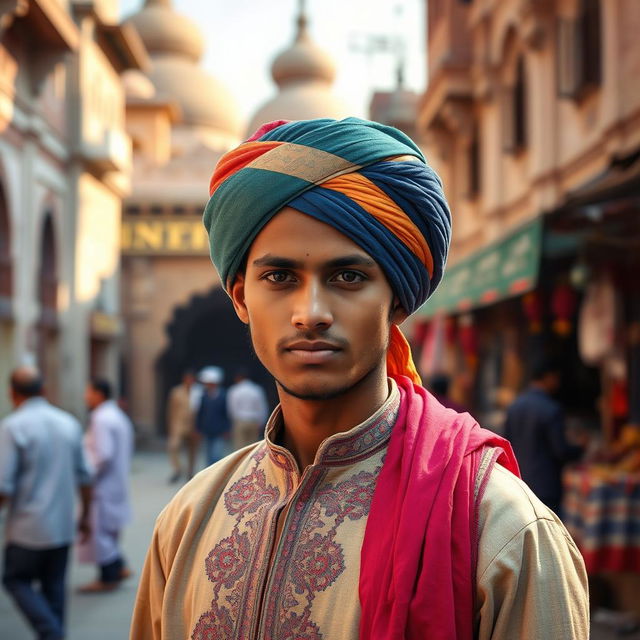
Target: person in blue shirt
<point>212,419</point>
<point>535,427</point>
<point>42,465</point>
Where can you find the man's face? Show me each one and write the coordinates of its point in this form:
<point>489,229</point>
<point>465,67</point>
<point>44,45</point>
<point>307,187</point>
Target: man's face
<point>92,397</point>
<point>188,379</point>
<point>317,305</point>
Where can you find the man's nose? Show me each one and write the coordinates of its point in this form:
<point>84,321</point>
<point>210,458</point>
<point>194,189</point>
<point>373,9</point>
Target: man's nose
<point>311,307</point>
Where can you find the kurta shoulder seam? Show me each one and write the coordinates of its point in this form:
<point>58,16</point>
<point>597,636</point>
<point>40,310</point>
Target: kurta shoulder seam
<point>513,538</point>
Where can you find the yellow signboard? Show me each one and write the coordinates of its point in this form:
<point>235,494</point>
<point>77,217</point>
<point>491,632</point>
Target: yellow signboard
<point>164,236</point>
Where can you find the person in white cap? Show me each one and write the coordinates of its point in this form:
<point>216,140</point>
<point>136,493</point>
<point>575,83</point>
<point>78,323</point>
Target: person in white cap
<point>212,420</point>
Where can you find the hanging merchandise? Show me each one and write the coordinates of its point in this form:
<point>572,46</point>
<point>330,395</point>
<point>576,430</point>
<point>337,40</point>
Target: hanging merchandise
<point>563,306</point>
<point>532,307</point>
<point>468,337</point>
<point>432,355</point>
<point>451,330</point>
<point>597,321</point>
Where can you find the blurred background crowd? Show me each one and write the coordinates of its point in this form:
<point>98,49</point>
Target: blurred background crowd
<point>112,119</point>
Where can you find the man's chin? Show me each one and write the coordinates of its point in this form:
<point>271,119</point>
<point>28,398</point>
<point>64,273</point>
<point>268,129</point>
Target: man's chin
<point>318,390</point>
<point>314,392</point>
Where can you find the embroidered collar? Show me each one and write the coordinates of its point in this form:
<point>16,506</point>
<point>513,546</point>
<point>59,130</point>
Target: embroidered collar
<point>345,447</point>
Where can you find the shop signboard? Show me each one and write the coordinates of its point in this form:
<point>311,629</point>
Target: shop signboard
<point>508,268</point>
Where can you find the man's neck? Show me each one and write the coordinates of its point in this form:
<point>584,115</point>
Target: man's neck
<point>307,423</point>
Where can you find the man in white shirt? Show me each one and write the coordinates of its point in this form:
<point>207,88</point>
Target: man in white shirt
<point>109,447</point>
<point>42,463</point>
<point>247,408</point>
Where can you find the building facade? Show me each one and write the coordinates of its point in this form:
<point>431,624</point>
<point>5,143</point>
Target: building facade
<point>532,119</point>
<point>65,161</point>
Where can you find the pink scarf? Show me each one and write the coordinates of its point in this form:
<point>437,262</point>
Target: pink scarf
<point>417,578</point>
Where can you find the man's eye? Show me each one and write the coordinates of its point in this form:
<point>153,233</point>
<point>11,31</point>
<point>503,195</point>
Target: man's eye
<point>350,277</point>
<point>277,277</point>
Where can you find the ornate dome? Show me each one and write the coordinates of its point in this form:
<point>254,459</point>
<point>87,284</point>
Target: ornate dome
<point>164,31</point>
<point>304,74</point>
<point>137,85</point>
<point>176,45</point>
<point>202,99</point>
<point>303,60</point>
<point>300,102</point>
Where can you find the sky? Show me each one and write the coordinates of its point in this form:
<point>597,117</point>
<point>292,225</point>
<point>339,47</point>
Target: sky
<point>244,36</point>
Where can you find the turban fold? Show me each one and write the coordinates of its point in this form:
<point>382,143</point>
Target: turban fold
<point>368,181</point>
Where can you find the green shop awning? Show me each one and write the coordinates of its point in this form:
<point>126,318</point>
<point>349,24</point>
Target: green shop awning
<point>505,269</point>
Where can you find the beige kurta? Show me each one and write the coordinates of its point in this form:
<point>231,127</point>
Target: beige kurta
<point>251,549</point>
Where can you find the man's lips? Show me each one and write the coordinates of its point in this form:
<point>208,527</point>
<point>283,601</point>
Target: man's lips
<point>312,352</point>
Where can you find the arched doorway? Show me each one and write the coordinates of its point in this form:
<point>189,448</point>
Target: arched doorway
<point>204,332</point>
<point>47,327</point>
<point>6,292</point>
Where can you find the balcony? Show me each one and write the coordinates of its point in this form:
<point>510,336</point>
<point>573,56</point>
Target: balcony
<point>111,153</point>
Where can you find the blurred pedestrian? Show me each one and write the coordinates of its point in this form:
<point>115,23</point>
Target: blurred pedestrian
<point>535,426</point>
<point>439,386</point>
<point>42,464</point>
<point>109,446</point>
<point>369,510</point>
<point>247,408</point>
<point>181,422</point>
<point>212,419</point>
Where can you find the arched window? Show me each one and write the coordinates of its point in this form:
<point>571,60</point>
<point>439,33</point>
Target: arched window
<point>591,42</point>
<point>580,50</point>
<point>6,285</point>
<point>515,110</point>
<point>474,179</point>
<point>520,106</point>
<point>47,275</point>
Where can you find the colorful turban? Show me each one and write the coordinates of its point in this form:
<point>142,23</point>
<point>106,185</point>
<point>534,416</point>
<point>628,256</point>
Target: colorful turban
<point>368,181</point>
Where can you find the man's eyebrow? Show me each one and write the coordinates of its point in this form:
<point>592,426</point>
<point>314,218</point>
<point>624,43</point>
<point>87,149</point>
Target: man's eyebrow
<point>269,260</point>
<point>355,260</point>
<point>279,262</point>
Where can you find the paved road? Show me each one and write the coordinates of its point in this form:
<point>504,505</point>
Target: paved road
<point>107,616</point>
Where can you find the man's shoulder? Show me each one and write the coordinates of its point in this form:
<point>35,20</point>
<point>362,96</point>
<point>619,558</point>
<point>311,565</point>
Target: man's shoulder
<point>29,412</point>
<point>508,509</point>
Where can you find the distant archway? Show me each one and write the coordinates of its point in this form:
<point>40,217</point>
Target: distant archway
<point>206,331</point>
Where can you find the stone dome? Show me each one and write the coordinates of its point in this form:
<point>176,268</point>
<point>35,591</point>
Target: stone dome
<point>164,31</point>
<point>303,60</point>
<point>304,75</point>
<point>137,85</point>
<point>302,101</point>
<point>175,45</point>
<point>202,99</point>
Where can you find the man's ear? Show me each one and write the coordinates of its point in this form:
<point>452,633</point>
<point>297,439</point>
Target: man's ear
<point>397,315</point>
<point>237,298</point>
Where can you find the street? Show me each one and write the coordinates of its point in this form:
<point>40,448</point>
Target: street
<point>107,616</point>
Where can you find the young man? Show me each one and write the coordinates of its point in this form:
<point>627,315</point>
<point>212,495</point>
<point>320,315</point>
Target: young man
<point>212,419</point>
<point>535,426</point>
<point>109,447</point>
<point>369,510</point>
<point>42,465</point>
<point>181,423</point>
